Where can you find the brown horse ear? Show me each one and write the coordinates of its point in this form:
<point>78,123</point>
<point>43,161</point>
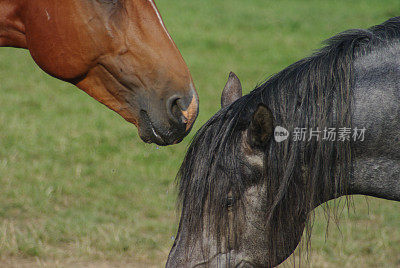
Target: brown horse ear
<point>232,90</point>
<point>261,127</point>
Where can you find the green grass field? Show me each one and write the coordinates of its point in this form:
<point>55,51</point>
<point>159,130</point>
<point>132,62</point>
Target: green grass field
<point>79,189</point>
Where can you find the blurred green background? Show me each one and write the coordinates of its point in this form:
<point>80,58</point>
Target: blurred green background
<point>79,188</point>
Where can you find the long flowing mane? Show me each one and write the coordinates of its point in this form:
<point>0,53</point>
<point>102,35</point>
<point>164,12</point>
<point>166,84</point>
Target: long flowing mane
<point>313,92</point>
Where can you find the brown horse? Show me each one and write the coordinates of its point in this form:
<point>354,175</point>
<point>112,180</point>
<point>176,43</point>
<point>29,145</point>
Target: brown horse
<point>117,51</point>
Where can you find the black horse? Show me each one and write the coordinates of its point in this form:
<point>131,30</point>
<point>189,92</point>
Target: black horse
<point>326,126</point>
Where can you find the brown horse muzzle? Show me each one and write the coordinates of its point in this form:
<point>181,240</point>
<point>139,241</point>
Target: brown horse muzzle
<point>170,122</point>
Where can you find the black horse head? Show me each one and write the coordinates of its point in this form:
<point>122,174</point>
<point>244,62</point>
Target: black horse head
<point>247,193</point>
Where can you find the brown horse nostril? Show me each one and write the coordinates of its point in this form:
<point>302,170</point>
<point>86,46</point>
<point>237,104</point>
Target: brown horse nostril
<point>175,106</point>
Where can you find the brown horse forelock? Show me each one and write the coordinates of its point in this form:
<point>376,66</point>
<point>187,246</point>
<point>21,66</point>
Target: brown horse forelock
<point>118,52</point>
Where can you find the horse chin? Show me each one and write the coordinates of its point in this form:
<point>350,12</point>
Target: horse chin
<point>231,259</point>
<point>151,131</point>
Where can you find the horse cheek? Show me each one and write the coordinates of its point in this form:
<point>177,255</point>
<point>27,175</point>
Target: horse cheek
<point>59,47</point>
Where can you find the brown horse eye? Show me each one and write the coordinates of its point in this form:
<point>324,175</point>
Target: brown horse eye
<point>108,1</point>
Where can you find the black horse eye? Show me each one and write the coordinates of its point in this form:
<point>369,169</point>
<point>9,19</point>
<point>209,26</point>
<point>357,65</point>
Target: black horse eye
<point>230,202</point>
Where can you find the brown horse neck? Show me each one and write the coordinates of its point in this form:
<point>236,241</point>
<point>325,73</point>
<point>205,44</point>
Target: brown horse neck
<point>12,29</point>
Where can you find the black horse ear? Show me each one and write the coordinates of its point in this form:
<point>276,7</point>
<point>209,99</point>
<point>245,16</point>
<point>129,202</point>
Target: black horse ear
<point>261,127</point>
<point>232,90</point>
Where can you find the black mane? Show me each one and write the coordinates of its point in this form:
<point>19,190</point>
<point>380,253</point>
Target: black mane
<point>313,92</point>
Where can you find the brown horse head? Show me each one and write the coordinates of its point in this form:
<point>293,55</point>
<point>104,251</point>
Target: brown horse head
<point>117,51</point>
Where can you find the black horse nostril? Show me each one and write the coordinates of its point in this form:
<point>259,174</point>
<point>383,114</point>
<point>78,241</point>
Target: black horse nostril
<point>174,110</point>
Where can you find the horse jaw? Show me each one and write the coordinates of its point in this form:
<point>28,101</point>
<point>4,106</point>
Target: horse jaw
<point>254,249</point>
